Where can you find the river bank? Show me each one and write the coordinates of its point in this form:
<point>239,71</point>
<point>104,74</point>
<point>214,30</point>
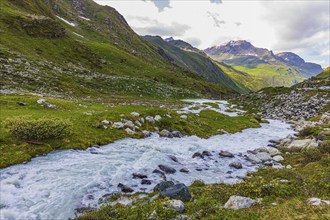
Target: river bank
<point>96,173</point>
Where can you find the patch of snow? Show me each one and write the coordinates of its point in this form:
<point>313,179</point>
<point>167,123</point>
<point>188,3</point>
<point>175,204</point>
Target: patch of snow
<point>66,21</point>
<point>78,35</point>
<point>87,19</point>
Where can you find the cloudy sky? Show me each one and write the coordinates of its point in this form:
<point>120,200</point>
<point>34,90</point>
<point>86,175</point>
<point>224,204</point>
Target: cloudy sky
<point>301,26</point>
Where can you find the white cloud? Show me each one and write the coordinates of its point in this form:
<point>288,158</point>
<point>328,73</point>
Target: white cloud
<point>298,26</point>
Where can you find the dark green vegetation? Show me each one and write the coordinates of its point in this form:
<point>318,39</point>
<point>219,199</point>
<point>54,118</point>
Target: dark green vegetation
<point>263,66</point>
<point>184,55</point>
<point>85,117</point>
<point>305,180</point>
<point>92,52</point>
<point>41,129</point>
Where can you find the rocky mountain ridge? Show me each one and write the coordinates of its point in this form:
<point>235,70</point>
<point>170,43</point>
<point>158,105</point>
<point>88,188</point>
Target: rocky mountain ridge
<point>186,56</point>
<point>232,50</point>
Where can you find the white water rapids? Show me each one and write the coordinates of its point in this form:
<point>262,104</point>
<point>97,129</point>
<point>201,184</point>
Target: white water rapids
<point>52,186</point>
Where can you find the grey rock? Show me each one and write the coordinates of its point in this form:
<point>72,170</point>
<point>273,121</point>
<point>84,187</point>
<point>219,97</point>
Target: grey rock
<point>174,158</point>
<point>138,123</point>
<point>21,103</point>
<point>197,154</point>
<point>165,133</point>
<point>100,126</point>
<point>158,118</point>
<point>317,202</point>
<point>177,134</point>
<point>118,125</point>
<point>162,186</point>
<point>135,114</point>
<point>259,157</point>
<point>184,170</point>
<point>129,131</point>
<point>106,122</point>
<point>82,210</point>
<point>124,188</point>
<point>177,205</point>
<point>239,202</point>
<point>150,119</point>
<point>184,117</point>
<point>146,133</point>
<point>226,154</point>
<point>130,125</point>
<point>236,165</point>
<point>178,191</point>
<point>42,101</point>
<point>207,153</point>
<point>167,169</point>
<point>145,182</point>
<point>139,176</point>
<point>278,158</point>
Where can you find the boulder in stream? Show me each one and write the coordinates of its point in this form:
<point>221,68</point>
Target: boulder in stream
<point>124,188</point>
<point>167,169</point>
<point>226,154</point>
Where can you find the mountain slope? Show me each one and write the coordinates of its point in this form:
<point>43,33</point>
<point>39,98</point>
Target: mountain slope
<point>78,48</point>
<point>320,80</point>
<point>307,69</point>
<point>267,69</point>
<point>186,56</point>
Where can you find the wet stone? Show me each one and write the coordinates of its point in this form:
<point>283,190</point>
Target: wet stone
<point>139,176</point>
<point>124,188</point>
<point>163,186</point>
<point>184,170</point>
<point>207,153</point>
<point>172,157</point>
<point>167,169</point>
<point>145,182</point>
<point>197,154</point>
<point>226,154</point>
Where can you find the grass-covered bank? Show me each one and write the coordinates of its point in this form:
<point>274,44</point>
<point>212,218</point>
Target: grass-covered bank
<point>284,194</point>
<point>84,118</point>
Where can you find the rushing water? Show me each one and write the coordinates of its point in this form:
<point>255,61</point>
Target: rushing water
<point>52,186</point>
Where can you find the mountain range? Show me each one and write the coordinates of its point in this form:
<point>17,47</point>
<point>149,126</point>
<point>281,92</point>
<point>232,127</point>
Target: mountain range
<point>78,48</point>
<point>267,68</point>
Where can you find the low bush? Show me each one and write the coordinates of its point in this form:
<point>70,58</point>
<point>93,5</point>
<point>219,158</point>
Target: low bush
<point>312,155</point>
<point>38,129</point>
<point>325,147</point>
<point>309,131</point>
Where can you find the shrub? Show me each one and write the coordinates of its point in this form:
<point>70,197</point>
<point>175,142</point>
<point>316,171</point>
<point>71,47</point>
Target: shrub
<point>312,155</point>
<point>40,129</point>
<point>325,147</point>
<point>309,131</point>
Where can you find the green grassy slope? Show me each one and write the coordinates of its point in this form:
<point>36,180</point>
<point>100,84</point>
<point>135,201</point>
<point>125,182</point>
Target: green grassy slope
<point>100,56</point>
<point>184,55</point>
<point>265,75</point>
<point>86,115</point>
<point>324,74</point>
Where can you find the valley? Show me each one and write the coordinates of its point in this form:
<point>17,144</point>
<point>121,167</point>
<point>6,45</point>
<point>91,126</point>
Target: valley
<point>98,122</point>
